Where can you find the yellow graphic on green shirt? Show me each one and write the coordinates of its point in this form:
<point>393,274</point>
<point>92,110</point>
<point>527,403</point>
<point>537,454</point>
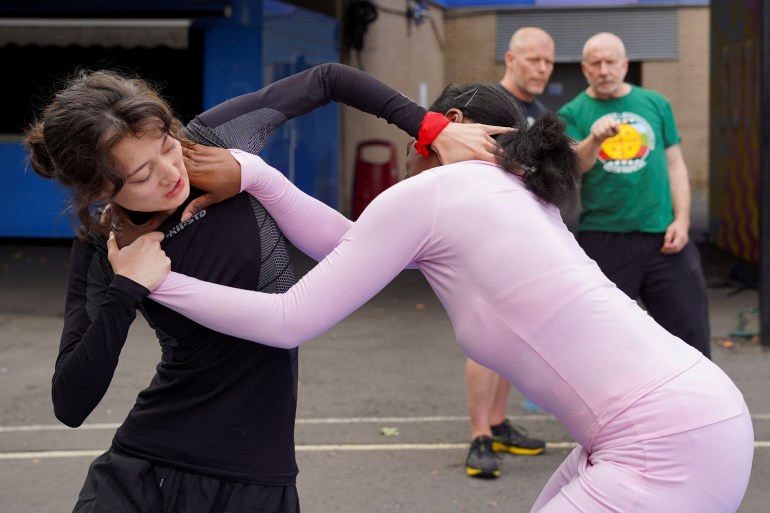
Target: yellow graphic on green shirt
<point>627,152</point>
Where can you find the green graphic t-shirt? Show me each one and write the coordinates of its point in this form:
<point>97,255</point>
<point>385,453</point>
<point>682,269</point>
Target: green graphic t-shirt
<point>628,188</point>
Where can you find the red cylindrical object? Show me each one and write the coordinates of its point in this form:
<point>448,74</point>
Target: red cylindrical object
<point>371,178</point>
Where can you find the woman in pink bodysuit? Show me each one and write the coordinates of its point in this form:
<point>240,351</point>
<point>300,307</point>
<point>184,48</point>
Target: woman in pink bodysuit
<point>660,428</point>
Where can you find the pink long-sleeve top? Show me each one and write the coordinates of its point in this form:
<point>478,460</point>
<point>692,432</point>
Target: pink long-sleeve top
<point>522,296</point>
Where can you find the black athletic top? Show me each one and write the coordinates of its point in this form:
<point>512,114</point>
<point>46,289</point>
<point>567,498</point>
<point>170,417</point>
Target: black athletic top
<point>217,405</point>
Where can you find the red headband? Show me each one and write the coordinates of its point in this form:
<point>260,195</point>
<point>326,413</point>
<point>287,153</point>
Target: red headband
<point>432,125</point>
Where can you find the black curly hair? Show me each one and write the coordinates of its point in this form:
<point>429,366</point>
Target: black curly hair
<point>543,151</point>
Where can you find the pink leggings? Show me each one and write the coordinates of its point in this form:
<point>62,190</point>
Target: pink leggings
<point>703,470</point>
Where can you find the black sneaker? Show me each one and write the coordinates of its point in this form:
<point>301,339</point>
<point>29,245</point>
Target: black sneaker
<point>507,438</point>
<point>481,460</point>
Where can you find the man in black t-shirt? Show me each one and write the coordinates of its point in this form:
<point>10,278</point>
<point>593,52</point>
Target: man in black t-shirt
<point>528,67</point>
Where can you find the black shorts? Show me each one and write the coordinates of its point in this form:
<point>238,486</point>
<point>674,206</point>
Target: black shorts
<point>118,483</point>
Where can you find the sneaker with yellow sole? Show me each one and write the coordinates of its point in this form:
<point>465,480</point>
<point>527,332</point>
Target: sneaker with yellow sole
<point>481,460</point>
<point>514,440</point>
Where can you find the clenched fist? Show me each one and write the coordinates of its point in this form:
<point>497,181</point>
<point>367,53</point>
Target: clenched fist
<point>143,261</point>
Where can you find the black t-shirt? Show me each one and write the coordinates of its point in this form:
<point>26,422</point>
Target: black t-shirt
<point>217,405</point>
<point>533,110</point>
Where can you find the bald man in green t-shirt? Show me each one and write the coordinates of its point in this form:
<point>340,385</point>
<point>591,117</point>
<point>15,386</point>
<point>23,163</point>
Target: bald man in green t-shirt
<point>635,193</point>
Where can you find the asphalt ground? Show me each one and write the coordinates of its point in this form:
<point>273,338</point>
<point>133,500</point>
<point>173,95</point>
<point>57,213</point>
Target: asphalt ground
<point>392,364</point>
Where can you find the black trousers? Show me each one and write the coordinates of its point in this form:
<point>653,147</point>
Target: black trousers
<point>117,483</point>
<point>672,288</point>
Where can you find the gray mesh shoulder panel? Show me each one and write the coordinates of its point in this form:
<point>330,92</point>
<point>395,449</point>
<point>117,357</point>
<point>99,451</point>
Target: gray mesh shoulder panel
<point>247,132</point>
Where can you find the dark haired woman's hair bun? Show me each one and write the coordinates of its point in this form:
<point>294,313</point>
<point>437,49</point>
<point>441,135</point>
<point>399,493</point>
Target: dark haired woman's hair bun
<point>39,158</point>
<point>545,153</point>
<point>549,131</point>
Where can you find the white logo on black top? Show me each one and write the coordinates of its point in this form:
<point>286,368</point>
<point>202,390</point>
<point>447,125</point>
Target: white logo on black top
<point>181,226</point>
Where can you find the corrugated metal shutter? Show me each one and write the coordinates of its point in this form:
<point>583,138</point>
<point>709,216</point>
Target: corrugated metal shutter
<point>146,33</point>
<point>649,33</point>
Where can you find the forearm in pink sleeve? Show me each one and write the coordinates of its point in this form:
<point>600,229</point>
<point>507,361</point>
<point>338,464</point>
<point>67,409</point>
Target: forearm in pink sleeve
<point>237,312</point>
<point>311,225</point>
<point>343,281</point>
<point>349,276</point>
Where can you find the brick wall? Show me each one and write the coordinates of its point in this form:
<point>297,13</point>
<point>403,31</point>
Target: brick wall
<point>686,85</point>
<point>470,49</point>
<point>404,54</point>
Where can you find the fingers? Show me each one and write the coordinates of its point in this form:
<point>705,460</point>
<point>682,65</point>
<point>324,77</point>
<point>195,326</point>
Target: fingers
<point>106,214</point>
<point>189,161</point>
<point>605,127</point>
<point>495,130</point>
<point>202,154</point>
<point>673,242</point>
<point>669,238</point>
<point>154,236</point>
<point>158,219</point>
<point>144,261</point>
<point>668,249</point>
<point>126,232</point>
<point>111,218</point>
<point>194,160</point>
<point>492,146</point>
<point>189,150</point>
<point>196,206</point>
<point>112,244</point>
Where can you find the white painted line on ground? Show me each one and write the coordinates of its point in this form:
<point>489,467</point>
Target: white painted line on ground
<point>406,447</point>
<point>55,427</point>
<point>305,448</point>
<point>39,455</point>
<point>406,420</point>
<point>340,420</point>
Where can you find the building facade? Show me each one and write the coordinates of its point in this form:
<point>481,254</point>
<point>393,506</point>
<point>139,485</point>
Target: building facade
<point>204,51</point>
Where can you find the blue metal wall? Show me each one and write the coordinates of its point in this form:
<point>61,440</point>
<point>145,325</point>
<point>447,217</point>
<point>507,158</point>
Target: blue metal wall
<point>30,206</point>
<point>305,149</point>
<point>261,43</point>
